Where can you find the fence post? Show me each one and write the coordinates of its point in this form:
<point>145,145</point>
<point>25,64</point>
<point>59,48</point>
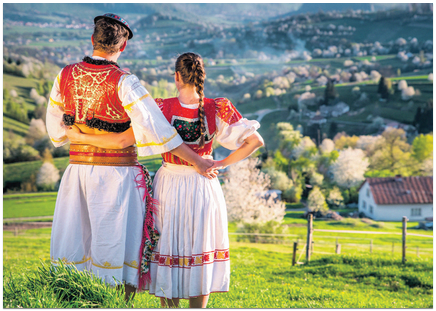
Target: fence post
<point>294,253</point>
<point>404,238</point>
<point>313,245</point>
<point>309,236</point>
<point>417,251</point>
<point>392,248</point>
<point>338,248</point>
<point>370,247</point>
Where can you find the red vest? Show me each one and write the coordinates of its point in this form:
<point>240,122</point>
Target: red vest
<point>187,124</point>
<point>90,95</point>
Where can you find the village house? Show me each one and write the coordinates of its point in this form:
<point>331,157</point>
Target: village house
<point>391,198</point>
<point>334,111</point>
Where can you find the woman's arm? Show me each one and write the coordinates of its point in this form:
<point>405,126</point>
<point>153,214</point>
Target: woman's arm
<point>251,143</point>
<point>127,138</point>
<point>109,140</point>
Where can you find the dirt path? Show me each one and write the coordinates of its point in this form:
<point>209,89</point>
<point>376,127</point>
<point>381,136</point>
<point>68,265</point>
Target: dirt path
<point>19,226</point>
<point>26,218</point>
<point>372,232</point>
<point>263,112</point>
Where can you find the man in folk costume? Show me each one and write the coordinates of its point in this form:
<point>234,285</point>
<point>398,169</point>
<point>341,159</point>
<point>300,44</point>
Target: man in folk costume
<point>98,223</point>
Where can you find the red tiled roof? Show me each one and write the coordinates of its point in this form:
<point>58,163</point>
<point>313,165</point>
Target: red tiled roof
<point>402,190</point>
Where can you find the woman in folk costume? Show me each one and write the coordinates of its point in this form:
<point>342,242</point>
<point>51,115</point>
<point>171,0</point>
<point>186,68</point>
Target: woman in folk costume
<point>191,259</point>
<point>99,215</point>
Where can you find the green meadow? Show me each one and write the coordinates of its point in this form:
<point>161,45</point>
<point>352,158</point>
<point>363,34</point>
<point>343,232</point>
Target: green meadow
<point>262,276</point>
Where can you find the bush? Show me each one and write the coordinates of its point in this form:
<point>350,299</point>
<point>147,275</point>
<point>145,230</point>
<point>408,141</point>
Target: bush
<point>293,194</point>
<point>16,150</point>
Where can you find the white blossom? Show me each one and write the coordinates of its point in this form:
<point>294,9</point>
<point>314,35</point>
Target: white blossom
<point>375,76</point>
<point>327,145</point>
<point>306,98</point>
<point>305,144</point>
<point>349,168</point>
<point>430,77</point>
<point>48,175</point>
<point>322,80</point>
<point>348,63</point>
<point>407,93</point>
<point>244,192</point>
<point>401,41</point>
<point>402,85</point>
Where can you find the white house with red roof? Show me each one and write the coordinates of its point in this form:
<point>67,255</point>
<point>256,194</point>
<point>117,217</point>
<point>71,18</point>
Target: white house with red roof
<point>391,198</point>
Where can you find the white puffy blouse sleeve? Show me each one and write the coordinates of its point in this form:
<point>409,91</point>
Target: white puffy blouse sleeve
<point>153,133</point>
<point>232,128</point>
<point>56,128</point>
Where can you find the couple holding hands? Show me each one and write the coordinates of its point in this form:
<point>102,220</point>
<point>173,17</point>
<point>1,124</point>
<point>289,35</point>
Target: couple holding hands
<point>169,238</point>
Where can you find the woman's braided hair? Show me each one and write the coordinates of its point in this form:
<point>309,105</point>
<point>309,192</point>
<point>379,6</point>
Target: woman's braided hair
<point>191,68</point>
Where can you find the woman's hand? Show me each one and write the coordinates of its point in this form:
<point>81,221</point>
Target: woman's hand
<point>217,165</point>
<point>74,134</point>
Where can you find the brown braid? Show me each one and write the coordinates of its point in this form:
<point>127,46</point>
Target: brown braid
<point>191,68</point>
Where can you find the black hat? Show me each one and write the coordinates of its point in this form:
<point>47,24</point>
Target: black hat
<point>116,18</point>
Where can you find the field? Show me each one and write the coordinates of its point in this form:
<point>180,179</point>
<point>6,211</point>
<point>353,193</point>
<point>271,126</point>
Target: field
<point>261,277</point>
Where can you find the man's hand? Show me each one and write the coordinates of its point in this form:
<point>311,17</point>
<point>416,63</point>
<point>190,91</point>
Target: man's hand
<point>74,134</point>
<point>204,168</point>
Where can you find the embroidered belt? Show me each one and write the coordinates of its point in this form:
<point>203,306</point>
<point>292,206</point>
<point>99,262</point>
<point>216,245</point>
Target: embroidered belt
<point>91,155</point>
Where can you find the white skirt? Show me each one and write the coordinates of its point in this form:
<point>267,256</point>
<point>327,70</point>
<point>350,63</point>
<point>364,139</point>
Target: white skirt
<point>192,255</point>
<point>98,221</point>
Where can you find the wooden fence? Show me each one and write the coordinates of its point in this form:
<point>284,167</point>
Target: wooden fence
<point>323,244</point>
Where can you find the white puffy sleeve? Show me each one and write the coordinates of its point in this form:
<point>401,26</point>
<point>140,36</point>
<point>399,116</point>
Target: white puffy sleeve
<point>55,111</point>
<point>232,128</point>
<point>153,133</point>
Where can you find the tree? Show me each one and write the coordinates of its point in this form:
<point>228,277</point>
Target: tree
<point>346,141</point>
<point>333,129</point>
<point>279,179</point>
<point>349,169</point>
<point>422,147</point>
<point>330,92</point>
<point>48,176</point>
<point>423,120</point>
<point>335,199</point>
<point>316,201</point>
<point>287,137</point>
<point>383,89</point>
<point>37,130</point>
<point>327,146</point>
<point>393,153</point>
<point>15,149</point>
<point>244,192</point>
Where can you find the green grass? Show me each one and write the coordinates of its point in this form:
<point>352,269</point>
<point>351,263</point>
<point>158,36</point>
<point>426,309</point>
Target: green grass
<point>23,86</point>
<point>261,277</point>
<point>15,126</point>
<point>29,205</point>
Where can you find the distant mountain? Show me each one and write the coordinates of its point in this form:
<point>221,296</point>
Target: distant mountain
<point>340,7</point>
<point>191,12</point>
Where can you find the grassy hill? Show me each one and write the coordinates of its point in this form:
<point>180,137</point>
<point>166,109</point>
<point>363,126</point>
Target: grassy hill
<point>15,173</point>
